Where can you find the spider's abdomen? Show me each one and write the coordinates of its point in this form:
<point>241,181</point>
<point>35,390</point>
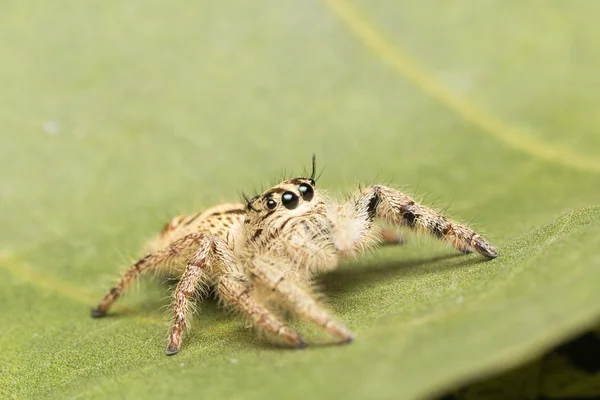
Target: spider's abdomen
<point>217,221</point>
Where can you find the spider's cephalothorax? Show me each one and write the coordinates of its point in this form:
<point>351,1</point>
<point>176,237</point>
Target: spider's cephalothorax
<point>261,255</point>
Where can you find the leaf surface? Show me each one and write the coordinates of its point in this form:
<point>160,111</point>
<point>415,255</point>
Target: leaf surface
<point>116,116</point>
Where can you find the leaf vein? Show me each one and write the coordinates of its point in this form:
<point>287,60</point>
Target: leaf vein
<point>405,66</point>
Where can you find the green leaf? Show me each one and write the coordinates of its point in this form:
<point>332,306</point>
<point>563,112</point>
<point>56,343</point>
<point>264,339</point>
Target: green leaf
<point>116,116</point>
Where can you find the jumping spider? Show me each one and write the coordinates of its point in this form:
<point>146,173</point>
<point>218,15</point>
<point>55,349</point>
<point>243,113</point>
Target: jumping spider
<point>263,253</point>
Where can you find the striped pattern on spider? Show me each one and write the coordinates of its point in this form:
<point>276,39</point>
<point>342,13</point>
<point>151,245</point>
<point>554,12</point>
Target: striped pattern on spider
<point>260,256</point>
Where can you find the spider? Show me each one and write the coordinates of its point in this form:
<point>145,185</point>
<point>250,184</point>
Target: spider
<point>260,256</point>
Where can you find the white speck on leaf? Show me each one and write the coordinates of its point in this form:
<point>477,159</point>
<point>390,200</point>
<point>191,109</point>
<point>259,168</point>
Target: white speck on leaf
<point>6,192</point>
<point>35,335</point>
<point>234,360</point>
<point>181,364</point>
<point>51,127</point>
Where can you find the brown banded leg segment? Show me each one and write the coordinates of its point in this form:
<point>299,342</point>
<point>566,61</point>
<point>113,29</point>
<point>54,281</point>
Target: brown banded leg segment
<point>176,250</point>
<point>142,265</point>
<point>398,208</point>
<point>211,251</point>
<point>186,288</point>
<point>273,277</point>
<point>235,290</point>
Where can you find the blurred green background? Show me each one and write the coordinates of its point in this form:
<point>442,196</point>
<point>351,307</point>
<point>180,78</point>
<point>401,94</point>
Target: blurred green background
<point>115,116</point>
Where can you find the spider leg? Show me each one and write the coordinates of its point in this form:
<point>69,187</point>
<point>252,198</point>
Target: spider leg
<point>235,289</point>
<point>267,273</point>
<point>186,288</point>
<point>211,251</point>
<point>177,249</point>
<point>397,208</point>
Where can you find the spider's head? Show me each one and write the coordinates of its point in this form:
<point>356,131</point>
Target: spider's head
<point>290,198</point>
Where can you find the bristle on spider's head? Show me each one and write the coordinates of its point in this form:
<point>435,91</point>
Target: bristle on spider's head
<point>249,202</point>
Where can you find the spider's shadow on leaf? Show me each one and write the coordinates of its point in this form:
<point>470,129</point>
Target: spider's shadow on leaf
<point>344,280</point>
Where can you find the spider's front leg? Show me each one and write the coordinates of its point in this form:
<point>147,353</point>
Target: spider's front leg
<point>271,273</point>
<point>397,208</point>
<point>233,288</point>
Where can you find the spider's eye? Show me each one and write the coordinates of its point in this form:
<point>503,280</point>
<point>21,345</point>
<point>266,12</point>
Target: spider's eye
<point>289,200</point>
<point>307,191</point>
<point>271,204</point>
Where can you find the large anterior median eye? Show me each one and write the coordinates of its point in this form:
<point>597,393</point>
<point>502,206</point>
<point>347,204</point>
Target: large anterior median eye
<point>307,191</point>
<point>289,200</point>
